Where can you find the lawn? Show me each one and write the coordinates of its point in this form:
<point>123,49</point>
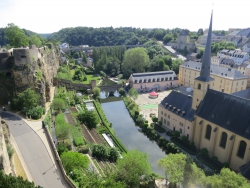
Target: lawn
<point>147,106</point>
<point>91,77</point>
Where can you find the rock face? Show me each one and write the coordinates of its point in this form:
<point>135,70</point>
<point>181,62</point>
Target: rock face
<point>4,157</point>
<point>24,68</point>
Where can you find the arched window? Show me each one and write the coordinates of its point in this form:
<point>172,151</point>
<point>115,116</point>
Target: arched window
<point>199,86</point>
<point>242,149</point>
<point>208,132</point>
<point>223,140</point>
<point>208,86</point>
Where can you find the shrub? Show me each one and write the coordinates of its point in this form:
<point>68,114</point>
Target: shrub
<point>36,113</point>
<point>61,148</point>
<point>10,151</point>
<point>204,151</point>
<point>83,149</point>
<point>214,158</point>
<point>176,134</point>
<point>78,141</point>
<point>154,119</point>
<point>136,113</point>
<point>184,138</point>
<point>226,164</point>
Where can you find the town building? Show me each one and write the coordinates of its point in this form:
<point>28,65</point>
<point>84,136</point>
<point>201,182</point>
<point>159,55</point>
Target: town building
<point>183,42</point>
<point>215,38</point>
<point>157,81</point>
<point>246,47</point>
<point>226,80</point>
<point>211,118</point>
<point>237,55</point>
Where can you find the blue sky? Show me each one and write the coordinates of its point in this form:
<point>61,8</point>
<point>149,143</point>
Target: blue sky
<point>47,16</point>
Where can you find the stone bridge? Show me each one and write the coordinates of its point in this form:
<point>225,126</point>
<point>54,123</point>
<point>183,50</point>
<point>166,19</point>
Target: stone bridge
<point>112,88</point>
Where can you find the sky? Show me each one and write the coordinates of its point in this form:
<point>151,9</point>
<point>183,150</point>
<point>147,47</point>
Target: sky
<point>48,16</point>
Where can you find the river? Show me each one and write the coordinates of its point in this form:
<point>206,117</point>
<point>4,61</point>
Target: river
<point>129,134</point>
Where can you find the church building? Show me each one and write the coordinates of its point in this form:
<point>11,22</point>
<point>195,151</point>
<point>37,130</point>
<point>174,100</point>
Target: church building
<point>210,118</point>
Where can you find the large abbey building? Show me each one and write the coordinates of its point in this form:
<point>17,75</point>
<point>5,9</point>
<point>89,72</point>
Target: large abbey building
<point>211,118</point>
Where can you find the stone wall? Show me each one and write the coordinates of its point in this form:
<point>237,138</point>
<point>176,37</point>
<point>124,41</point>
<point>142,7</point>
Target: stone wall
<point>4,157</point>
<point>74,86</point>
<point>32,68</point>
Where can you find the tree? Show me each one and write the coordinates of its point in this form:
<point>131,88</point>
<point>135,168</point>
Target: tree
<point>62,131</point>
<point>26,100</point>
<point>73,160</point>
<point>90,118</point>
<point>16,36</point>
<point>131,167</point>
<point>103,74</point>
<point>96,92</point>
<point>135,59</point>
<point>79,75</point>
<point>35,40</point>
<point>9,181</point>
<point>174,165</point>
<point>167,38</point>
<point>61,148</point>
<point>113,154</point>
<point>121,91</point>
<point>99,151</point>
<point>133,93</point>
<point>227,178</point>
<point>58,104</point>
<point>84,58</point>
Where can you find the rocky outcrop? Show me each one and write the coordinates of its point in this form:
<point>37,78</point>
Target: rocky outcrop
<point>24,68</point>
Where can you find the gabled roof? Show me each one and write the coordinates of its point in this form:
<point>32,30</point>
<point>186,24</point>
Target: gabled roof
<point>244,32</point>
<point>179,101</point>
<point>227,111</point>
<point>247,45</point>
<point>243,94</point>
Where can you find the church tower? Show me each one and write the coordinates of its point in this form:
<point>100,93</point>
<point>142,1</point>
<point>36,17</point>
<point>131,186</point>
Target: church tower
<point>203,82</point>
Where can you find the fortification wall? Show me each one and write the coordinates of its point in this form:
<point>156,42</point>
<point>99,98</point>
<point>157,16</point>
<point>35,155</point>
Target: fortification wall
<point>29,68</point>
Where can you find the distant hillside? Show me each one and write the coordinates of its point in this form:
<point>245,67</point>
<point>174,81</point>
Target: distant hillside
<point>46,35</point>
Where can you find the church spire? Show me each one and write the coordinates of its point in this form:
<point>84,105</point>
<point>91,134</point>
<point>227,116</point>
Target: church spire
<point>206,62</point>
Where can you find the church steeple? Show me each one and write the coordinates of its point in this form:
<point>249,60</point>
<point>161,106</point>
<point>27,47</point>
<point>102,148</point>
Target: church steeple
<point>205,68</point>
<point>203,82</point>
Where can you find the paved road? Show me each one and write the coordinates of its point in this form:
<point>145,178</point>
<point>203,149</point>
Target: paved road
<point>34,153</point>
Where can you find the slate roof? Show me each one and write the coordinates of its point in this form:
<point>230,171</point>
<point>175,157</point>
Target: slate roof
<point>244,32</point>
<point>245,170</point>
<point>215,70</point>
<point>234,32</point>
<point>159,73</point>
<point>179,101</point>
<point>183,33</point>
<point>247,45</point>
<point>227,111</point>
<point>243,94</point>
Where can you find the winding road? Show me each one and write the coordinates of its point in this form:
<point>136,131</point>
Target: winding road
<point>43,171</point>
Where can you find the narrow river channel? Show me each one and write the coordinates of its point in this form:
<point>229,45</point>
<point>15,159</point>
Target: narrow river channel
<point>129,134</point>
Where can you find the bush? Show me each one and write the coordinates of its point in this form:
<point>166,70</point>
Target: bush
<point>184,138</point>
<point>10,151</point>
<point>61,148</point>
<point>204,152</point>
<point>78,141</point>
<point>36,113</point>
<point>83,149</point>
<point>214,158</point>
<point>154,119</point>
<point>176,134</point>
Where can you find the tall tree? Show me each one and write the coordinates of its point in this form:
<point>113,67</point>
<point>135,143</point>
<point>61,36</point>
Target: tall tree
<point>16,36</point>
<point>35,40</point>
<point>135,59</point>
<point>90,118</point>
<point>133,93</point>
<point>131,167</point>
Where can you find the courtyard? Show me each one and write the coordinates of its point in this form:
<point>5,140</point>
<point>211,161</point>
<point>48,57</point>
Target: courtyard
<point>148,105</point>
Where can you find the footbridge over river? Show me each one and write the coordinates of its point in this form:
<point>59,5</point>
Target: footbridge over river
<point>111,88</point>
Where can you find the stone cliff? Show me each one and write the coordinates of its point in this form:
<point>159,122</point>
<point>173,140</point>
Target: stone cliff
<point>24,68</point>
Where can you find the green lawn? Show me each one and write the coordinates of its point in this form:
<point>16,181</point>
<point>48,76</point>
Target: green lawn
<point>91,77</point>
<point>147,106</point>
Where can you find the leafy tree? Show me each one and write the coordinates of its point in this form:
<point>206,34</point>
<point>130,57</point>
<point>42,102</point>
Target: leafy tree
<point>96,92</point>
<point>9,181</point>
<point>79,75</point>
<point>167,38</point>
<point>131,167</point>
<point>62,131</point>
<point>89,118</point>
<point>99,151</point>
<point>103,74</point>
<point>121,91</point>
<point>16,36</point>
<point>61,148</point>
<point>35,40</point>
<point>73,160</point>
<point>133,93</point>
<point>26,100</point>
<point>135,59</point>
<point>84,58</point>
<point>58,104</point>
<point>113,154</point>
